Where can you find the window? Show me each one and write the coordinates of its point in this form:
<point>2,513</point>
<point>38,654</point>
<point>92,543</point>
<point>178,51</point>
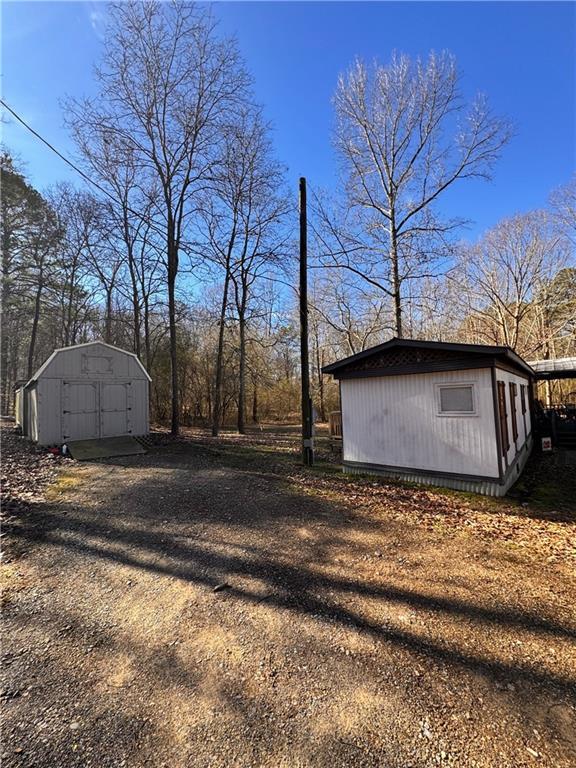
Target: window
<point>513,395</point>
<point>96,364</point>
<point>503,418</point>
<point>456,399</point>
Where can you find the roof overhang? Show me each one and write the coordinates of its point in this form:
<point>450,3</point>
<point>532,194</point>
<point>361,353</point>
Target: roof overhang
<point>560,368</point>
<point>475,352</point>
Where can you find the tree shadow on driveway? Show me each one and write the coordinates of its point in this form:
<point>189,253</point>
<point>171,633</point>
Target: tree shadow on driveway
<point>179,525</point>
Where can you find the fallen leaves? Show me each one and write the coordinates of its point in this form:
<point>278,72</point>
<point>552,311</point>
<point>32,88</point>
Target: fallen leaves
<point>25,474</point>
<point>496,520</point>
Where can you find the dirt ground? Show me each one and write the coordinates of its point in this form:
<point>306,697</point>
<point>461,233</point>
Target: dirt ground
<point>213,604</point>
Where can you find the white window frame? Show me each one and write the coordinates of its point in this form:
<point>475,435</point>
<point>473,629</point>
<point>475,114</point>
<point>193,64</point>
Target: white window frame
<point>456,385</point>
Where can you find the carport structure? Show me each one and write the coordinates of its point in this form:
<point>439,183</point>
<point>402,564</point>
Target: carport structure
<point>560,417</point>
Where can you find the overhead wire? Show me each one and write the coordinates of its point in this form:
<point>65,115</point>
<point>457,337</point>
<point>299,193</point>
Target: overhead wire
<point>77,169</point>
<point>91,181</point>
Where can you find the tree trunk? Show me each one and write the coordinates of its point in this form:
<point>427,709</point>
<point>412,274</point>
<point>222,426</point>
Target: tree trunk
<point>147,333</point>
<point>135,306</point>
<point>255,404</point>
<point>318,361</point>
<point>242,371</point>
<point>4,341</point>
<point>321,392</point>
<point>396,281</point>
<point>172,271</point>
<point>35,321</point>
<point>225,403</point>
<point>108,318</point>
<point>69,336</point>
<point>13,376</point>
<point>217,407</point>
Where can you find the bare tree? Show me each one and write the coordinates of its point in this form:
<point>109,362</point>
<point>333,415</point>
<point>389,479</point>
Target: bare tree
<point>263,212</point>
<point>167,86</point>
<point>134,200</point>
<point>30,236</point>
<point>438,312</point>
<point>39,269</point>
<point>504,281</point>
<point>404,136</point>
<point>70,292</point>
<point>357,316</point>
<point>563,208</point>
<point>241,220</point>
<point>104,259</point>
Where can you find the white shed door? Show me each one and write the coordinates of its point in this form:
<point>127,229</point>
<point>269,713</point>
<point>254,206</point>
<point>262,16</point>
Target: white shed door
<point>93,409</point>
<point>115,402</point>
<point>80,411</point>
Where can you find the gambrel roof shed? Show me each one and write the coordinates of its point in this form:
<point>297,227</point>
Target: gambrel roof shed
<point>86,391</point>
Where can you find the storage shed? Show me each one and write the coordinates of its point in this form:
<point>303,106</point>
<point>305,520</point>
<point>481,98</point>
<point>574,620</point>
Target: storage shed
<point>85,392</point>
<point>19,402</point>
<point>456,415</point>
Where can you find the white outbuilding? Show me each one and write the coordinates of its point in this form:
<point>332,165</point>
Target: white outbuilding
<point>84,392</point>
<point>455,415</point>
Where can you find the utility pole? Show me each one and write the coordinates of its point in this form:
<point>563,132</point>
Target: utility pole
<point>307,439</point>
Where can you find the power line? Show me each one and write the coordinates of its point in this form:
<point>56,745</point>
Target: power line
<point>95,183</point>
<point>75,167</point>
<point>56,151</point>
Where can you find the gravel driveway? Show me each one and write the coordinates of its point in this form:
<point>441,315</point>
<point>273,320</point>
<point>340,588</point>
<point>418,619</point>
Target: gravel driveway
<point>211,604</point>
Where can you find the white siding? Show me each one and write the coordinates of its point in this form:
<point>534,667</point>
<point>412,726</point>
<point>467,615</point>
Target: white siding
<point>49,415</point>
<point>394,421</point>
<point>140,397</point>
<point>33,415</point>
<point>19,407</point>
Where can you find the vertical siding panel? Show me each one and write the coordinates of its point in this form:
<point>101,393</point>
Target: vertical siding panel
<point>139,407</point>
<point>393,420</point>
<point>49,413</point>
<point>33,413</point>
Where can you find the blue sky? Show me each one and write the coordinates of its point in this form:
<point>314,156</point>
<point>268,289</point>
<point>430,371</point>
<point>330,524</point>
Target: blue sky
<point>522,55</point>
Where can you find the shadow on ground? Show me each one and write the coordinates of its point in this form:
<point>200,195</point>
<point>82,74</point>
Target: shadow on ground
<point>141,540</point>
<point>203,517</point>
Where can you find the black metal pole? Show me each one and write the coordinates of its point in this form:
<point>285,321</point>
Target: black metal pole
<point>307,440</point>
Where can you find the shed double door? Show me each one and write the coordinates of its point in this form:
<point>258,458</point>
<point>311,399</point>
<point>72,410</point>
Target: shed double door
<point>93,409</point>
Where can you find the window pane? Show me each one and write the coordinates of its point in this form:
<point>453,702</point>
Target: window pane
<point>456,399</point>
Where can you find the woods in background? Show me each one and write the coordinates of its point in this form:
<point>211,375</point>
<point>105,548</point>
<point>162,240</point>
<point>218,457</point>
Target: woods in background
<point>185,250</point>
